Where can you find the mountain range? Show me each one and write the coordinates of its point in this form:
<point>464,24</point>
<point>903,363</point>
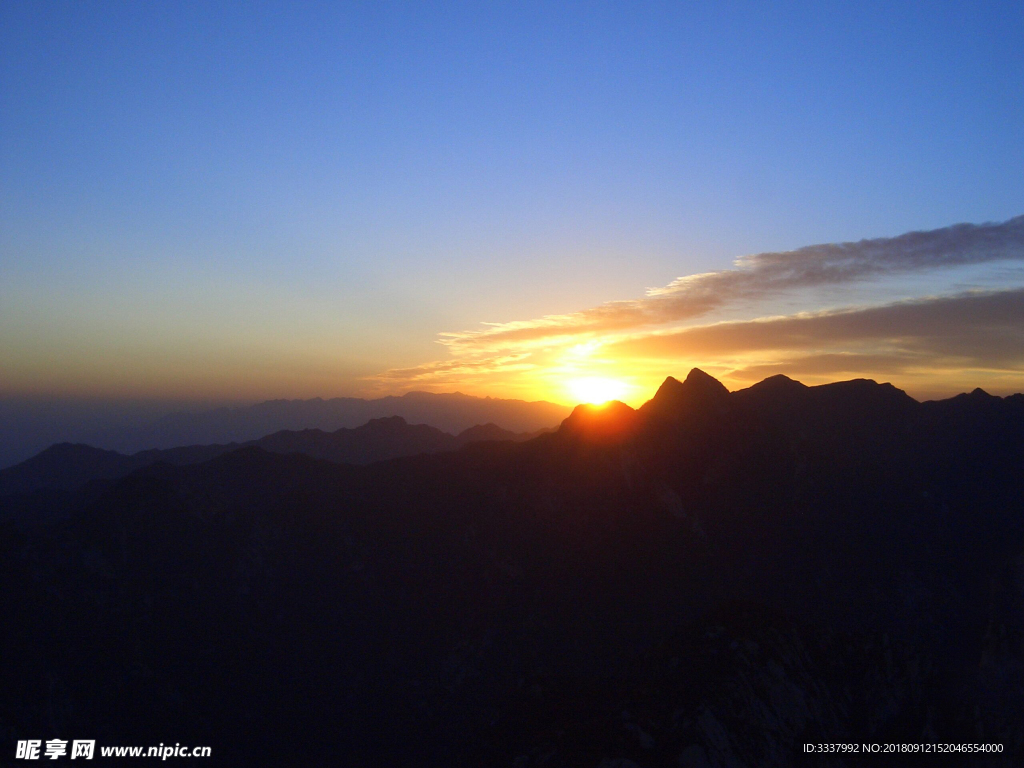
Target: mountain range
<point>450,412</point>
<point>713,579</point>
<point>27,427</point>
<point>67,466</point>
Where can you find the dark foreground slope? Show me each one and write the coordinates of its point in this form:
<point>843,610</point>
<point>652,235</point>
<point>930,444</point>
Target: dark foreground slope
<point>714,579</point>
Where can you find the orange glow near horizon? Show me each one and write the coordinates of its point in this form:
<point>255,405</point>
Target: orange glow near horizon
<point>597,390</point>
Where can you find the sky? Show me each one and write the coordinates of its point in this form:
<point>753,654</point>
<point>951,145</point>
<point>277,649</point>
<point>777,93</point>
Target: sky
<point>227,202</point>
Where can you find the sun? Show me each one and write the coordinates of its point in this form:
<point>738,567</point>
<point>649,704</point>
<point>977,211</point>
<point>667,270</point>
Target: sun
<point>597,390</point>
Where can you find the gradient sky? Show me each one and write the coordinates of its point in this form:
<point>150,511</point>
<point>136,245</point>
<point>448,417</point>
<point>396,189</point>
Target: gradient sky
<point>226,201</point>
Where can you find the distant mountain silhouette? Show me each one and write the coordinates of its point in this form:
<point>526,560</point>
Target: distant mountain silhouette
<point>64,467</point>
<point>713,579</point>
<point>27,428</point>
<point>452,413</point>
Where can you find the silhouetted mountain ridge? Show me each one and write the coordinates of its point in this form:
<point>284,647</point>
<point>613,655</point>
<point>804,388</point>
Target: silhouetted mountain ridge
<point>699,393</point>
<point>716,580</point>
<point>448,412</point>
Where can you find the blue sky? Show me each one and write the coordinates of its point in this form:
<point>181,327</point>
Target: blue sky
<point>288,200</point>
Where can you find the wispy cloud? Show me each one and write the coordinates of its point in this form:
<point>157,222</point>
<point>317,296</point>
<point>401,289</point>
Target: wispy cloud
<point>757,277</point>
<point>457,371</point>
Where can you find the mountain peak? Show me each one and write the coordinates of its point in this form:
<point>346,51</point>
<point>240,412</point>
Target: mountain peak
<point>781,381</point>
<point>699,393</point>
<point>609,420</point>
<point>698,378</point>
<point>775,393</point>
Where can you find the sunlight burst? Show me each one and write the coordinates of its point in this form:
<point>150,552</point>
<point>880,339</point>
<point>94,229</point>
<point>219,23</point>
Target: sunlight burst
<point>597,390</point>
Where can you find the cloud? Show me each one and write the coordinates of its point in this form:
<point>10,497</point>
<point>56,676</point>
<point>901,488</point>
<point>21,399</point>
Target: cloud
<point>457,371</point>
<point>966,330</point>
<point>831,365</point>
<point>758,277</point>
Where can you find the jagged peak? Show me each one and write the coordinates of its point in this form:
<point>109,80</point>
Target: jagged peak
<point>670,384</point>
<point>699,392</point>
<point>698,378</point>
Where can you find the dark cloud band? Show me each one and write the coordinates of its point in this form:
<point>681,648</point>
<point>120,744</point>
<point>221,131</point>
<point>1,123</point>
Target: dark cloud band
<point>983,329</point>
